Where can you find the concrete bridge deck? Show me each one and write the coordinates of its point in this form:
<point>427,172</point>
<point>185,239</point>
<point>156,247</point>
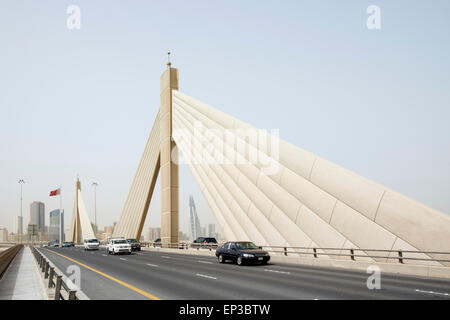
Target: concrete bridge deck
<point>152,274</point>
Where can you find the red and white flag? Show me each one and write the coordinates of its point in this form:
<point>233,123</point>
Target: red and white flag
<point>55,192</point>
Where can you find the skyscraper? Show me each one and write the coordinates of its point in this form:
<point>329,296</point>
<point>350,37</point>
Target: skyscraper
<point>37,215</point>
<point>18,225</point>
<point>211,230</point>
<point>55,224</point>
<point>153,234</point>
<point>195,222</point>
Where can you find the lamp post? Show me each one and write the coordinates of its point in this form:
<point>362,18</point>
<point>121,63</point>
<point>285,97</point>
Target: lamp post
<point>95,184</point>
<point>20,228</point>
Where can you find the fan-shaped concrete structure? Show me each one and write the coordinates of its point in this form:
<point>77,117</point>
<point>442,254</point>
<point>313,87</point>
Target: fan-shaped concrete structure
<point>80,226</point>
<point>266,190</point>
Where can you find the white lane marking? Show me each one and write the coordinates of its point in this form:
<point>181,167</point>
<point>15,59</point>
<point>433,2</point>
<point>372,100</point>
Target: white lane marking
<point>123,259</point>
<point>205,276</point>
<point>202,261</point>
<point>165,257</point>
<point>104,255</point>
<point>141,254</point>
<point>432,292</point>
<point>92,253</point>
<point>152,265</point>
<point>277,271</point>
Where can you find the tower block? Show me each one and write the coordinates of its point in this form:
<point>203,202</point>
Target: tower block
<point>169,160</point>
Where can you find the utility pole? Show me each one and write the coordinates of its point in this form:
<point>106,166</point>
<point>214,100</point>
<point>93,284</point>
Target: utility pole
<point>20,228</point>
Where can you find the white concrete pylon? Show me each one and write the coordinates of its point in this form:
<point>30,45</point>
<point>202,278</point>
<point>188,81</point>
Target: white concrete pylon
<point>271,192</point>
<point>307,201</point>
<point>80,226</point>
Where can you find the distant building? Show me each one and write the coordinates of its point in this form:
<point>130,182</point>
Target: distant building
<point>211,230</point>
<point>153,234</point>
<point>109,229</point>
<point>195,222</point>
<point>182,236</point>
<point>13,237</point>
<point>37,215</point>
<point>4,235</point>
<point>66,233</point>
<point>55,224</point>
<point>18,225</point>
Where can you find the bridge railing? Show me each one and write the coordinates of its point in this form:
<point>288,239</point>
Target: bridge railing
<point>7,256</point>
<point>54,278</point>
<point>181,245</point>
<point>353,253</point>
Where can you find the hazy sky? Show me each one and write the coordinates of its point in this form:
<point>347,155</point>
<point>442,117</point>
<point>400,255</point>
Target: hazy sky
<point>83,101</point>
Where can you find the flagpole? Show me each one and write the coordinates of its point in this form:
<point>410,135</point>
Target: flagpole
<point>60,218</point>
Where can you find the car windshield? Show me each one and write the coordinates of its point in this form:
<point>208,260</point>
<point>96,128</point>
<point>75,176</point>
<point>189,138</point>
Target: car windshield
<point>210,240</point>
<point>246,245</point>
<point>119,241</point>
<point>131,240</point>
<point>91,240</point>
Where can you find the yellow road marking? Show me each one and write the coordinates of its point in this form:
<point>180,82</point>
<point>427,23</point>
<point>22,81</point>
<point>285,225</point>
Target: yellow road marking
<point>129,286</point>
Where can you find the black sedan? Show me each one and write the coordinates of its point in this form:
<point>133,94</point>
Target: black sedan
<point>242,252</point>
<point>135,245</point>
<point>66,244</point>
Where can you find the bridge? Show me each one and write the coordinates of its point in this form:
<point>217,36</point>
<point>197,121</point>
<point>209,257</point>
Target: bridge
<point>324,226</point>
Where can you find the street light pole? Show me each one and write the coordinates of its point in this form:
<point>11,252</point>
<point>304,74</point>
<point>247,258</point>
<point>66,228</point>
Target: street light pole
<point>95,184</point>
<point>21,182</point>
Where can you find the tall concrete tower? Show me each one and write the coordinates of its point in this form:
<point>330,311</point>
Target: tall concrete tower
<point>168,160</point>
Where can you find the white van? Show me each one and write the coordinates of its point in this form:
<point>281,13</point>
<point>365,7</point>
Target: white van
<point>91,244</point>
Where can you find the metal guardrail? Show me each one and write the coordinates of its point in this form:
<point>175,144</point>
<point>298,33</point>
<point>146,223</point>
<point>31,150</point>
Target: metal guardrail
<point>54,278</point>
<point>181,245</point>
<point>354,253</point>
<point>7,256</point>
<point>316,252</point>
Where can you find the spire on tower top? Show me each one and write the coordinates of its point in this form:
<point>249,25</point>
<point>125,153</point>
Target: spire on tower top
<point>168,60</point>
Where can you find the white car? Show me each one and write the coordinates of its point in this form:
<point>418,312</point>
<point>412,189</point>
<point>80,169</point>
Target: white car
<point>91,244</point>
<point>118,246</point>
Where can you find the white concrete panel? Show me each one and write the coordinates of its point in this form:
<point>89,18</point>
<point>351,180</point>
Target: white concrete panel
<point>283,199</point>
<point>357,192</point>
<point>363,232</point>
<point>307,193</point>
<point>291,232</point>
<point>296,159</point>
<point>272,235</point>
<point>322,233</point>
<point>415,223</point>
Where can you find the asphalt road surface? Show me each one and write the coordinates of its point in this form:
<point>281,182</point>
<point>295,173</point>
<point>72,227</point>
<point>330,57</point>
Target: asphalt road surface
<point>158,275</point>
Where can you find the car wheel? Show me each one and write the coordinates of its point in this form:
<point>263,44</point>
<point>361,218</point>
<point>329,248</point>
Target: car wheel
<point>221,259</point>
<point>239,261</point>
<point>129,252</point>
